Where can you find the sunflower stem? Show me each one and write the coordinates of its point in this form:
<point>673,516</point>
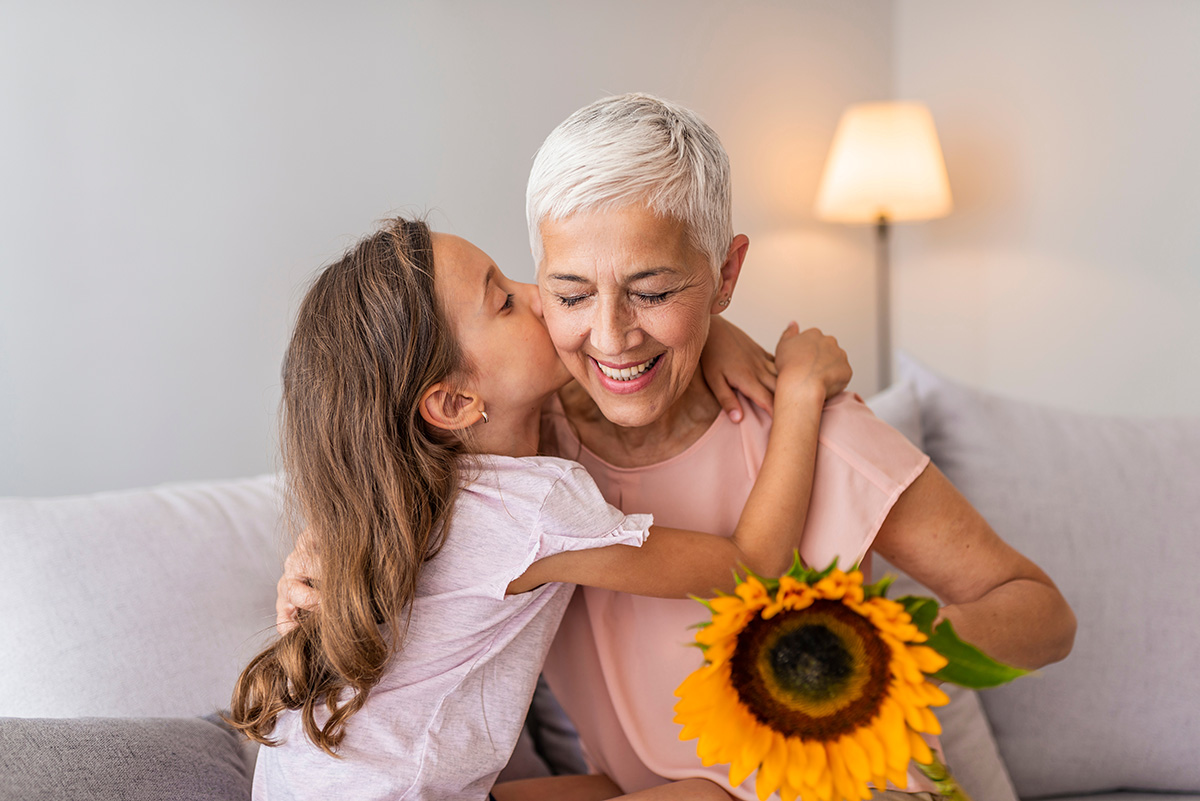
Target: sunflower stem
<point>937,772</point>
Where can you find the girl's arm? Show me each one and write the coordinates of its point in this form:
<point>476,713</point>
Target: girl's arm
<point>732,362</point>
<point>676,564</point>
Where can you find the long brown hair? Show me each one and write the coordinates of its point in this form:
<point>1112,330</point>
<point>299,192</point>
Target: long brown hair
<point>373,483</point>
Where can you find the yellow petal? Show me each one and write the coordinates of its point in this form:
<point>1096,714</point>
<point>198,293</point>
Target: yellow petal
<point>920,750</point>
<point>898,777</point>
<point>935,696</point>
<point>928,660</point>
<point>874,751</point>
<point>750,756</point>
<point>774,766</point>
<point>930,721</point>
<point>817,764</point>
<point>855,758</point>
<point>725,604</point>
<point>797,759</point>
<point>894,733</point>
<point>843,784</point>
<point>824,787</point>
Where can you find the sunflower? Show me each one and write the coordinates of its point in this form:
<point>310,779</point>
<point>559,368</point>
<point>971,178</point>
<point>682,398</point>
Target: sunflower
<point>817,682</point>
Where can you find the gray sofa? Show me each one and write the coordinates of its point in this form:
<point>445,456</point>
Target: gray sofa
<point>126,616</point>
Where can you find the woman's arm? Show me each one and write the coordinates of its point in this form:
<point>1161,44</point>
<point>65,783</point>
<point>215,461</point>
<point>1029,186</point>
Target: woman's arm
<point>674,563</point>
<point>997,599</point>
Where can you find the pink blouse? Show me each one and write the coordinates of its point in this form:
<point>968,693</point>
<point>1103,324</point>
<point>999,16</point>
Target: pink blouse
<point>617,658</point>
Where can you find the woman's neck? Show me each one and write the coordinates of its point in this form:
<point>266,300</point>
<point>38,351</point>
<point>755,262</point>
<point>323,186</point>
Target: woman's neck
<point>684,422</point>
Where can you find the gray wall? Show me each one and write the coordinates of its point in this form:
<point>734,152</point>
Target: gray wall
<point>1069,273</point>
<point>171,174</point>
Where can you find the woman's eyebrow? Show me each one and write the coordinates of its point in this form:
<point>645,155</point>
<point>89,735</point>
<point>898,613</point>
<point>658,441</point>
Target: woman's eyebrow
<point>651,273</point>
<point>638,276</point>
<point>574,279</point>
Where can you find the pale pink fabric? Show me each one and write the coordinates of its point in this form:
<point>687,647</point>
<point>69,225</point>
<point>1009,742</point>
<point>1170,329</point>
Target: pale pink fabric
<point>618,658</point>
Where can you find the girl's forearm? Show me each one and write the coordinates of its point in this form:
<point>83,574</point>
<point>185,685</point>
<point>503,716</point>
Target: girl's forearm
<point>772,521</point>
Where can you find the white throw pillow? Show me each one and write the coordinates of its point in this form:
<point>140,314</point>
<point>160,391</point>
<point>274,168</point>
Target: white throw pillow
<point>140,603</point>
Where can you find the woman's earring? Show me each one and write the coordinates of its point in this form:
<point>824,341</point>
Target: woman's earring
<point>723,302</point>
<point>483,414</point>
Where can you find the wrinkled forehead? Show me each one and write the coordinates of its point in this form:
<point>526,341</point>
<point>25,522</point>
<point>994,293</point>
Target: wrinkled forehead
<point>617,243</point>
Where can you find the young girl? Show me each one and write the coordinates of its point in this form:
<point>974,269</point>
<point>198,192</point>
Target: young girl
<point>413,387</point>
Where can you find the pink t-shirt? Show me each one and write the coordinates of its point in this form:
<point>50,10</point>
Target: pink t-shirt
<point>618,658</point>
<point>446,715</point>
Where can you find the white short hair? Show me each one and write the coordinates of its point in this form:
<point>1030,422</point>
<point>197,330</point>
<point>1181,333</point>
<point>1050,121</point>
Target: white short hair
<point>634,148</point>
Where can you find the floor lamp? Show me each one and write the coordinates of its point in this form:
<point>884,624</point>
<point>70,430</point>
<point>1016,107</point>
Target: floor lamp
<point>885,166</point>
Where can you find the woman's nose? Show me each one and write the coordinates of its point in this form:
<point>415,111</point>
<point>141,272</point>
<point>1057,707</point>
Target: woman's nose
<point>610,328</point>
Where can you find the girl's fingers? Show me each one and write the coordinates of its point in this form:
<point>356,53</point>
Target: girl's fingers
<point>728,400</point>
<point>762,393</point>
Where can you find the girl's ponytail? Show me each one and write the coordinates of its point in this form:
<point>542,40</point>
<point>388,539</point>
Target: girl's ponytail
<point>373,483</point>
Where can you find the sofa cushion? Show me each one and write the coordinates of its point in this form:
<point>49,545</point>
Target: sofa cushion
<point>970,749</point>
<point>1109,507</point>
<point>140,603</point>
<point>132,759</point>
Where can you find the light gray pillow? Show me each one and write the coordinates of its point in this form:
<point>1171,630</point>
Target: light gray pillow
<point>970,748</point>
<point>130,759</point>
<point>1110,508</point>
<point>142,603</point>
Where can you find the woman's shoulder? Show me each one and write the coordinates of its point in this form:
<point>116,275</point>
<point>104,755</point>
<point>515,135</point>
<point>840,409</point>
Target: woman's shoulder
<point>851,429</point>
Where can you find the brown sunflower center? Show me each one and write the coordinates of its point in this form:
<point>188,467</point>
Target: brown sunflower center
<point>811,661</point>
<point>815,673</point>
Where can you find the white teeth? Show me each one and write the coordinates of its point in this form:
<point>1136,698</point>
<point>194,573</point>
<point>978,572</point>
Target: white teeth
<point>627,373</point>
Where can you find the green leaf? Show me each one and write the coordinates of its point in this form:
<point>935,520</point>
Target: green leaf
<point>879,588</point>
<point>922,610</point>
<point>797,569</point>
<point>969,667</point>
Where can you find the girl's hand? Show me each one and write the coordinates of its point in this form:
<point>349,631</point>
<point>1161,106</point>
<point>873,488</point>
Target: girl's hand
<point>733,362</point>
<point>297,587</point>
<point>812,359</point>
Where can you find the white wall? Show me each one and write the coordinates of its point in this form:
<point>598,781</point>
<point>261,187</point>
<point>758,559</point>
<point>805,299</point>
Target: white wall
<point>1069,272</point>
<point>171,173</point>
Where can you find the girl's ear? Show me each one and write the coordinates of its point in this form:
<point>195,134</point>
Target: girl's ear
<point>448,409</point>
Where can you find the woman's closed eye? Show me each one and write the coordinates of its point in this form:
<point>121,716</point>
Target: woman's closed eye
<point>571,300</point>
<point>651,298</point>
<point>508,302</point>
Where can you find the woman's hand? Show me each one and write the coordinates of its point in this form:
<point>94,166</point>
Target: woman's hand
<point>732,362</point>
<point>297,587</point>
<point>811,358</point>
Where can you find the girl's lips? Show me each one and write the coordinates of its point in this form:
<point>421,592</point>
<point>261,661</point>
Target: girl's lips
<point>629,386</point>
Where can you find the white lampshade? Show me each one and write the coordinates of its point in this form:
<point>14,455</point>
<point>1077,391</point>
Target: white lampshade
<point>885,161</point>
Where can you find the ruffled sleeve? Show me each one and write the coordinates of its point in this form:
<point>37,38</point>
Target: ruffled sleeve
<point>573,517</point>
<point>863,466</point>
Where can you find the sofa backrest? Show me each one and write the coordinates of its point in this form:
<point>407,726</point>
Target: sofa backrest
<point>138,603</point>
<point>1109,507</point>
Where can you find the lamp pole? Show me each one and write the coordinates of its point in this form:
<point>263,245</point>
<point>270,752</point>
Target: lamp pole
<point>883,302</point>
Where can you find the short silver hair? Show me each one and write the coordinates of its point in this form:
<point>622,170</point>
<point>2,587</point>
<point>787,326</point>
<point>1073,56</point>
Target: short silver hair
<point>634,148</point>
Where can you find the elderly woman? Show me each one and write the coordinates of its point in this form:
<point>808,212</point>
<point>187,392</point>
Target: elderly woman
<point>630,223</point>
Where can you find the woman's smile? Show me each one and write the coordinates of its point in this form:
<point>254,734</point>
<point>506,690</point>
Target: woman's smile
<point>627,378</point>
